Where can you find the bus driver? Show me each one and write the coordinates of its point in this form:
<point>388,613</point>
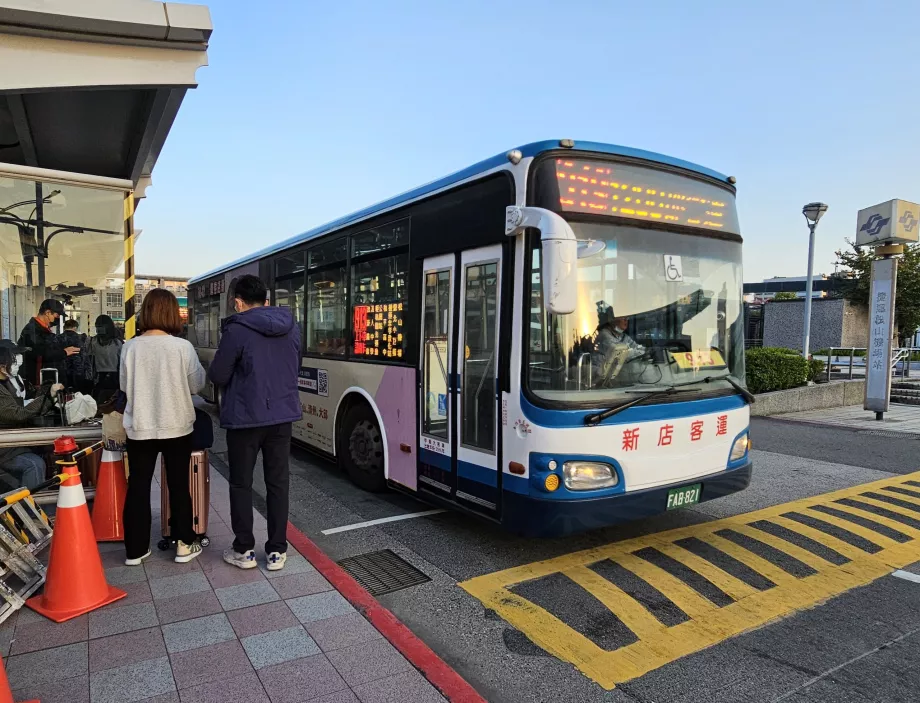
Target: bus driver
<point>611,334</point>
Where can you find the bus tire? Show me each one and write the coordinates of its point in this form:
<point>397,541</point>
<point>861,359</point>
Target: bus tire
<point>360,449</point>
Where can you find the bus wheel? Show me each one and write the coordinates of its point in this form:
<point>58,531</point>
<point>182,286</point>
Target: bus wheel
<point>361,449</point>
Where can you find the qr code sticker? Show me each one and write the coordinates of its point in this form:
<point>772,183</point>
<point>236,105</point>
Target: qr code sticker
<point>322,382</point>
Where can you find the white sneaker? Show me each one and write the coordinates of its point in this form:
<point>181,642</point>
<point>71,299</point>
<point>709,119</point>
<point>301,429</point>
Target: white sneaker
<point>138,561</point>
<point>187,552</point>
<point>246,560</point>
<point>276,561</point>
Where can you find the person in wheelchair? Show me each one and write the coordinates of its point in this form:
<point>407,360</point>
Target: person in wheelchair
<point>614,348</point>
<point>19,466</point>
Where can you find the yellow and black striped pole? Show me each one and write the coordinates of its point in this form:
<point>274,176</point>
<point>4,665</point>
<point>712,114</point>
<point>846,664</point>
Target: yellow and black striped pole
<point>130,311</point>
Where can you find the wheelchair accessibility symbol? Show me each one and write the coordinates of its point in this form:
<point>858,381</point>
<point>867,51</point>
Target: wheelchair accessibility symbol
<point>673,272</point>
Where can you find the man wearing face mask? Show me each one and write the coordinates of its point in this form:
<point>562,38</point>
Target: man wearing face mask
<point>38,336</point>
<point>19,466</point>
<point>256,365</point>
<point>611,333</point>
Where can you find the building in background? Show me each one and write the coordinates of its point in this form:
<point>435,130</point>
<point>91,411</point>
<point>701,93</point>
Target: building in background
<point>85,305</point>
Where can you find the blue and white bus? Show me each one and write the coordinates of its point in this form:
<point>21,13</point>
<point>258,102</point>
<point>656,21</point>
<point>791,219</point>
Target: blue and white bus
<point>551,339</point>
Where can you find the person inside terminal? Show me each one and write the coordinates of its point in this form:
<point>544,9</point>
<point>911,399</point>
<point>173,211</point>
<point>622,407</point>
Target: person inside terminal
<point>19,404</point>
<point>40,338</point>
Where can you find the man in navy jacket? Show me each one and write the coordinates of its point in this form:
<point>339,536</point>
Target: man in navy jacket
<point>256,366</point>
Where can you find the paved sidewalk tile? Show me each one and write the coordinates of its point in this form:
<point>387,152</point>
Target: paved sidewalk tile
<point>279,646</point>
<point>246,594</point>
<point>367,662</point>
<point>46,634</point>
<point>75,690</point>
<point>342,631</point>
<point>345,696</point>
<point>132,683</point>
<point>207,664</point>
<point>296,564</point>
<point>319,606</point>
<point>159,568</point>
<point>223,575</point>
<point>296,585</point>
<point>261,618</point>
<point>410,687</point>
<point>137,593</point>
<point>301,680</point>
<point>120,575</point>
<point>179,585</point>
<point>172,697</point>
<point>193,605</point>
<point>240,689</point>
<point>32,669</point>
<point>199,632</point>
<point>127,648</point>
<point>115,620</point>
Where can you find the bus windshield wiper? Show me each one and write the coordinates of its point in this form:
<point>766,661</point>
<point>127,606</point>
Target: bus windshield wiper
<point>595,418</point>
<point>745,393</point>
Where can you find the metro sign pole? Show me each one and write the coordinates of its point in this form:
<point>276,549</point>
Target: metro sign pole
<point>885,227</point>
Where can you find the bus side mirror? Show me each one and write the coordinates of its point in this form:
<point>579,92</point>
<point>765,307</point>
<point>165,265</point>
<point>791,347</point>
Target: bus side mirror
<point>559,255</point>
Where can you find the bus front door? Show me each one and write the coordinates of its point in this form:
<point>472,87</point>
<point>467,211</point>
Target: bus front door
<point>458,399</point>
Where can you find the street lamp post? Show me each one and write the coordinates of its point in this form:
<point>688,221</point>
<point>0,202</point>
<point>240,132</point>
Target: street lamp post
<point>813,212</point>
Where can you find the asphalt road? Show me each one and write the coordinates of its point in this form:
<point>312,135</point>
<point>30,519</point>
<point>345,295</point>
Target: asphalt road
<point>858,642</point>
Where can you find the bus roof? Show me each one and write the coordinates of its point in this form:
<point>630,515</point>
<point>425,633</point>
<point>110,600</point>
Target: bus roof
<point>532,149</point>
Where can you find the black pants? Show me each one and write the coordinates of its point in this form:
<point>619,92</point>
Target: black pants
<point>142,458</point>
<point>243,447</point>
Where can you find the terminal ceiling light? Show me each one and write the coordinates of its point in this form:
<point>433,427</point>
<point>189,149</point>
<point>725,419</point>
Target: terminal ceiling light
<point>814,212</point>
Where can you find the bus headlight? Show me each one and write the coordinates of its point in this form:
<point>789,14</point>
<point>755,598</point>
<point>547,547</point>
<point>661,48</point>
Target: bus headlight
<point>739,448</point>
<point>588,475</point>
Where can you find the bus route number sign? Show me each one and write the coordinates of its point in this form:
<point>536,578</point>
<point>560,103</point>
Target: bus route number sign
<point>698,359</point>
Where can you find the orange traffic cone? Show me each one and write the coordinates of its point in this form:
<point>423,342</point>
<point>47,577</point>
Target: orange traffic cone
<point>75,583</point>
<point>6,695</point>
<point>111,489</point>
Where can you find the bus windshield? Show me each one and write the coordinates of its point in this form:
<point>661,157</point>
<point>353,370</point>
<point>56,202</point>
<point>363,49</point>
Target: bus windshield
<point>655,308</point>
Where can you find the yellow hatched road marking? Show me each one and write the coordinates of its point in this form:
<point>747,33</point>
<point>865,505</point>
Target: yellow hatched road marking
<point>891,508</point>
<point>912,532</point>
<point>708,624</point>
<point>871,535</point>
<point>913,498</point>
<point>724,581</point>
<point>836,543</point>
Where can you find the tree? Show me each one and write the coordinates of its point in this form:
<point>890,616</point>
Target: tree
<point>785,295</point>
<point>907,299</point>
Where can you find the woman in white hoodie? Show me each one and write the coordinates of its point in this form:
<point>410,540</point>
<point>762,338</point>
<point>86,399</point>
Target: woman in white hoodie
<point>159,373</point>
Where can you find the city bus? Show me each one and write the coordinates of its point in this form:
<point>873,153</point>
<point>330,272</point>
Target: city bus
<point>552,339</point>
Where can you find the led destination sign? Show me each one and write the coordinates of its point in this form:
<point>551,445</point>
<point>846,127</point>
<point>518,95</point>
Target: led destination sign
<point>624,190</point>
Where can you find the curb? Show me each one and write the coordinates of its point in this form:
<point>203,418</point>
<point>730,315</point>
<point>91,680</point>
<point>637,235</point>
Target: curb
<point>451,685</point>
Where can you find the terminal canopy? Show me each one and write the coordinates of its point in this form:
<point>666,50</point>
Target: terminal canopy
<point>93,86</point>
<point>88,93</point>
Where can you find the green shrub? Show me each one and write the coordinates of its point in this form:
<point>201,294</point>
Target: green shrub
<point>816,369</point>
<point>774,369</point>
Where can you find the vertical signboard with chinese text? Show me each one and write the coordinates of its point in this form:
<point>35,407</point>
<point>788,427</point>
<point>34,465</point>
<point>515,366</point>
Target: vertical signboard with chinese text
<point>881,327</point>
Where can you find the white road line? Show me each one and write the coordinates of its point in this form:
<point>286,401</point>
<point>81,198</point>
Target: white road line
<point>906,575</point>
<point>380,521</point>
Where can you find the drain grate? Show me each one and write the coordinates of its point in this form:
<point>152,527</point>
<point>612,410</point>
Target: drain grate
<point>891,434</point>
<point>383,572</point>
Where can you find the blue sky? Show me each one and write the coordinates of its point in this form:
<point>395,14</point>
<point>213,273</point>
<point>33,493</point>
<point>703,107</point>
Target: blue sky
<point>311,110</point>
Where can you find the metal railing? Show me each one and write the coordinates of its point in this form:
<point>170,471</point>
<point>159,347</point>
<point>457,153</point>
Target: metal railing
<point>900,357</point>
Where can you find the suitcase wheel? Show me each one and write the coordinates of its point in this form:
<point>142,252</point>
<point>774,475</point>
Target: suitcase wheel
<point>205,541</point>
<point>164,544</point>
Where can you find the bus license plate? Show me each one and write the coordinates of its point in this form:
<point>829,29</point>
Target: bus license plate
<point>685,495</point>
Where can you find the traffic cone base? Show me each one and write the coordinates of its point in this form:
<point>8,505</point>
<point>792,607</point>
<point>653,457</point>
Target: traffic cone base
<point>35,602</point>
<point>75,582</point>
<point>111,491</point>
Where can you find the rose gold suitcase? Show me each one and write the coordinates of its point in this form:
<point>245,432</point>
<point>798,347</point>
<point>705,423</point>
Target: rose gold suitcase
<point>199,480</point>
